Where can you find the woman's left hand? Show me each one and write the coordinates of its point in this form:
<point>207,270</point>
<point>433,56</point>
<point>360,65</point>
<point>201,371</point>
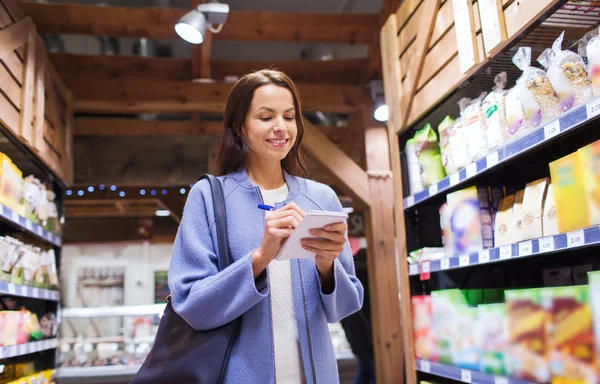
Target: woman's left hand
<point>330,243</point>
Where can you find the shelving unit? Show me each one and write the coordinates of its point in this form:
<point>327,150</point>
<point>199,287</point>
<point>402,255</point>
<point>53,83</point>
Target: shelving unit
<point>28,348</point>
<point>423,33</point>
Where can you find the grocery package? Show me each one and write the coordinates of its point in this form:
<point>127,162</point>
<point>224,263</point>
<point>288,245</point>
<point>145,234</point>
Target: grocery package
<point>536,94</point>
<point>569,193</point>
<point>503,228</point>
<point>425,254</point>
<point>589,156</point>
<point>446,132</point>
<point>570,334</point>
<point>470,220</point>
<point>446,230</point>
<point>422,324</point>
<point>493,295</point>
<point>25,264</point>
<point>415,182</point>
<point>516,118</point>
<point>429,156</point>
<point>44,377</point>
<point>533,209</point>
<point>527,324</point>
<point>494,107</point>
<point>467,353</point>
<point>549,222</point>
<point>567,73</point>
<point>11,181</point>
<point>590,47</point>
<point>31,197</point>
<point>517,216</point>
<point>474,127</point>
<point>492,324</point>
<point>594,301</point>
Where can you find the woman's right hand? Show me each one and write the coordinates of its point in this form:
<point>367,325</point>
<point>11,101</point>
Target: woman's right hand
<point>280,225</point>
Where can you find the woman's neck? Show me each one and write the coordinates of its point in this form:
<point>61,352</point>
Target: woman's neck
<point>265,175</point>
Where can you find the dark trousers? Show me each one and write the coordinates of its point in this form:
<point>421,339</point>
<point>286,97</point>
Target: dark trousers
<point>366,371</point>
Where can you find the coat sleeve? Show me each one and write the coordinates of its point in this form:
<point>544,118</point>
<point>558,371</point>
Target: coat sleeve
<point>347,295</point>
<point>204,296</point>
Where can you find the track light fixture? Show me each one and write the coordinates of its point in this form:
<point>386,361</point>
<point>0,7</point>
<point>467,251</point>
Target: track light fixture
<point>192,26</point>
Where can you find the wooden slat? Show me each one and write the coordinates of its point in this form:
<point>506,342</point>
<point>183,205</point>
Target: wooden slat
<point>349,177</point>
<point>68,139</point>
<point>14,36</point>
<point>406,11</point>
<point>241,25</point>
<point>15,14</point>
<point>388,7</point>
<point>116,126</point>
<point>10,87</point>
<point>12,60</point>
<point>9,116</point>
<point>164,96</point>
<point>392,77</point>
<point>27,94</point>
<point>40,97</point>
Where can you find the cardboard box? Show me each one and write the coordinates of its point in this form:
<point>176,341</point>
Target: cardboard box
<point>527,324</point>
<point>422,327</point>
<point>517,217</point>
<point>470,220</point>
<point>571,336</point>
<point>533,208</point>
<point>492,326</point>
<point>589,157</point>
<point>549,221</point>
<point>503,228</point>
<point>594,301</point>
<point>572,210</point>
<point>11,181</point>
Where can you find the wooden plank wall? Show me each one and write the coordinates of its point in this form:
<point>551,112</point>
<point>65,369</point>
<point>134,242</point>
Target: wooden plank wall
<point>35,106</point>
<point>440,73</point>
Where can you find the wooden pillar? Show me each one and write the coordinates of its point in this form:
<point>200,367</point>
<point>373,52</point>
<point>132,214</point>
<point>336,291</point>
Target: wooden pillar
<point>381,255</point>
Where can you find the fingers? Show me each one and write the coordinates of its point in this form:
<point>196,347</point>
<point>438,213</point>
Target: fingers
<point>284,222</point>
<point>339,237</point>
<point>281,232</point>
<point>329,255</point>
<point>324,244</point>
<point>337,227</point>
<point>292,207</point>
<point>276,215</point>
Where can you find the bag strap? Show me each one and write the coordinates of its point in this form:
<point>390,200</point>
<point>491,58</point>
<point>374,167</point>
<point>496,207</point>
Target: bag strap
<point>224,259</point>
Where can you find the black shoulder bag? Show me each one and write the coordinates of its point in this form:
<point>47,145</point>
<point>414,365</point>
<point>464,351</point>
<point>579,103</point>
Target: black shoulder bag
<point>181,354</point>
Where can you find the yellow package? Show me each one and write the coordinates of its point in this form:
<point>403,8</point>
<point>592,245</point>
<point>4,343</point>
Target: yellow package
<point>10,184</point>
<point>589,156</point>
<point>572,210</point>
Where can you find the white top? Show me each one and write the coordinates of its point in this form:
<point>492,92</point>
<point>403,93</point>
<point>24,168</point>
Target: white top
<point>288,361</point>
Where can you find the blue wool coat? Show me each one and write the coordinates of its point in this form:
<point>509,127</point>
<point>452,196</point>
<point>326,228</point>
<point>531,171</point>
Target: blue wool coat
<point>207,299</point>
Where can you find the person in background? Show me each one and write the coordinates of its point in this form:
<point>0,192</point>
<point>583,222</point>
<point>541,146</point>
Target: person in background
<point>358,327</point>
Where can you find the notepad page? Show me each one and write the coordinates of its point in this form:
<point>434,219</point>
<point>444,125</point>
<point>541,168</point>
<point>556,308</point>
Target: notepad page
<point>292,249</point>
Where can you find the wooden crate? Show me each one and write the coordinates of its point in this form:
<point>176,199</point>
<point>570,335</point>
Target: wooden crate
<point>420,52</point>
<point>35,106</point>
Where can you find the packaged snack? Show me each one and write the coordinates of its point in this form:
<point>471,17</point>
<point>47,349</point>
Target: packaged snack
<point>494,107</point>
<point>572,211</point>
<point>430,158</point>
<point>535,90</point>
<point>445,130</point>
<point>455,144</point>
<point>473,119</point>
<point>594,301</point>
<point>571,336</point>
<point>10,184</point>
<point>516,118</point>
<point>422,323</point>
<point>589,156</point>
<point>533,209</point>
<point>549,222</point>
<point>567,73</point>
<point>503,228</point>
<point>493,334</point>
<point>517,218</point>
<point>527,325</point>
<point>467,351</point>
<point>445,305</point>
<point>12,257</point>
<point>470,220</point>
<point>446,229</point>
<point>590,46</point>
<point>31,197</point>
<point>414,169</point>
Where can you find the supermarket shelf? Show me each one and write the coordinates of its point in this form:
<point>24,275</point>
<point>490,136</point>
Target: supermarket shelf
<point>577,239</point>
<point>549,132</point>
<point>464,375</point>
<point>27,291</point>
<point>27,225</point>
<point>25,349</point>
<point>132,310</point>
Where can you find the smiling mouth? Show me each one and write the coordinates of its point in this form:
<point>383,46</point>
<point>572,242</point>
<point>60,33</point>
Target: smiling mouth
<point>278,141</point>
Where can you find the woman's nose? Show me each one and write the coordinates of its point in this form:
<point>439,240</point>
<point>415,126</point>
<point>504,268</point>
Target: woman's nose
<point>279,125</point>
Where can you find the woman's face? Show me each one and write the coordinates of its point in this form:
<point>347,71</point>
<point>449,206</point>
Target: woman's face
<point>270,125</point>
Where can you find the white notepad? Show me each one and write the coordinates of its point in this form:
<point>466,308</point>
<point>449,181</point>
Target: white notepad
<point>292,249</point>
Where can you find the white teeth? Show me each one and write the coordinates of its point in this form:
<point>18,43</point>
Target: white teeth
<point>277,141</point>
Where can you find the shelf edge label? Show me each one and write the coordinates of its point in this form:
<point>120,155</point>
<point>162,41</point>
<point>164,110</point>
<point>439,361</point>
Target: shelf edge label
<point>575,239</point>
<point>445,264</point>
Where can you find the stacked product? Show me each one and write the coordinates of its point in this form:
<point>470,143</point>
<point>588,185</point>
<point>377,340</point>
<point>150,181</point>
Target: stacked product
<point>23,326</point>
<point>23,374</point>
<point>27,264</point>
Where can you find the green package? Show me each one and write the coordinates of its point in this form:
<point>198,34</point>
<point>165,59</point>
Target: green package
<point>492,326</point>
<point>429,156</point>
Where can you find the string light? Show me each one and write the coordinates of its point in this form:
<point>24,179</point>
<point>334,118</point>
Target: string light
<point>182,191</point>
<point>122,193</point>
<point>153,192</point>
<point>90,189</point>
<point>142,192</point>
<point>69,192</point>
<point>80,193</point>
<point>164,191</point>
<point>113,188</point>
<point>102,187</point>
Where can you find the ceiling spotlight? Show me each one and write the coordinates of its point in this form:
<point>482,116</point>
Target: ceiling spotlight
<point>182,191</point>
<point>122,194</point>
<point>162,212</point>
<point>382,112</point>
<point>113,188</point>
<point>192,26</point>
<point>90,189</point>
<point>142,192</point>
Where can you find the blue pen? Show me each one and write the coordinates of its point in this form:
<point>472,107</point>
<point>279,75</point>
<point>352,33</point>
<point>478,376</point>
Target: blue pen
<point>265,207</point>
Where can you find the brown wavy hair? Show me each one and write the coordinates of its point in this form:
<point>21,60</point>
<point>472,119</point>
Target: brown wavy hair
<point>233,151</point>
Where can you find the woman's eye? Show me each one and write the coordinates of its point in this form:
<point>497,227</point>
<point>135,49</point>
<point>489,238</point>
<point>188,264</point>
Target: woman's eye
<point>267,118</point>
<point>289,118</point>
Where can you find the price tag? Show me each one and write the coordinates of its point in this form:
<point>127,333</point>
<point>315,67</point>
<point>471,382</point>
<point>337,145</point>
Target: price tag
<point>22,349</point>
<point>454,179</point>
<point>463,260</point>
<point>425,366</point>
<point>39,230</point>
<point>445,264</point>
<point>575,239</point>
<point>505,252</point>
<point>593,108</point>
<point>491,159</point>
<point>12,351</point>
<point>500,380</point>
<point>552,129</point>
<point>29,225</point>
<point>14,216</point>
<point>425,270</point>
<point>465,375</point>
<point>12,289</point>
<point>413,269</point>
<point>525,248</point>
<point>35,293</point>
<point>410,201</point>
<point>546,244</point>
<point>22,290</point>
<point>484,256</point>
<point>433,189</point>
<point>471,170</point>
<point>1,352</point>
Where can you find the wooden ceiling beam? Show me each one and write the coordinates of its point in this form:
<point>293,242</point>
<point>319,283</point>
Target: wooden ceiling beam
<point>155,96</point>
<point>75,67</point>
<point>120,126</point>
<point>374,65</point>
<point>158,23</point>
